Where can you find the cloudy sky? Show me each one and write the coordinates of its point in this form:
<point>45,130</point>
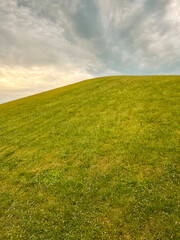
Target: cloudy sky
<point>49,43</point>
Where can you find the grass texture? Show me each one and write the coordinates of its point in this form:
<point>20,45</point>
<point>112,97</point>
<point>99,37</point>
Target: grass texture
<point>98,159</point>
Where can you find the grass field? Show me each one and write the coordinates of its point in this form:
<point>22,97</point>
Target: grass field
<point>98,159</point>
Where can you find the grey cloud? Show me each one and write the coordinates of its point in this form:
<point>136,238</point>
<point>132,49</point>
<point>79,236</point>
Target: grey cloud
<point>89,37</point>
<point>146,41</point>
<point>87,21</point>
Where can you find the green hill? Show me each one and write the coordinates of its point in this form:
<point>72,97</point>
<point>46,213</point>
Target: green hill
<point>94,160</point>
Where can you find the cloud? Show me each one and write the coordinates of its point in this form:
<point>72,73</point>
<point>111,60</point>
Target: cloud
<point>119,13</point>
<point>46,44</point>
<point>35,54</point>
<point>17,80</point>
<point>155,41</point>
<point>30,40</point>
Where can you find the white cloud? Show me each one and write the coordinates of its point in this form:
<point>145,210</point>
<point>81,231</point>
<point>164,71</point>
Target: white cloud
<point>173,12</point>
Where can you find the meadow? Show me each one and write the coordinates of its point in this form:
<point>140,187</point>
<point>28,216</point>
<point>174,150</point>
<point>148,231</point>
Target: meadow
<point>98,159</point>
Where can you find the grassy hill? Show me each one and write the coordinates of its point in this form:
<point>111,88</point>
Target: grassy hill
<point>94,160</point>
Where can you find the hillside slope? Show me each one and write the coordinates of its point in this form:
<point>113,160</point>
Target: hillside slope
<point>94,160</point>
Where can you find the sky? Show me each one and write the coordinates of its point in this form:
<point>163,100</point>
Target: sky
<point>45,44</point>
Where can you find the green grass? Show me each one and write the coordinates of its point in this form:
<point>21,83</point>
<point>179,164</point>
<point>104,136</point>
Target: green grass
<point>97,159</point>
